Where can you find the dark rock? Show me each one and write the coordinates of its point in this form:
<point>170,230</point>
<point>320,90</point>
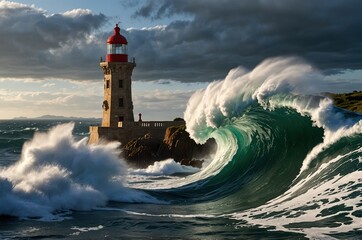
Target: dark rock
<point>177,144</point>
<point>179,119</point>
<point>142,151</point>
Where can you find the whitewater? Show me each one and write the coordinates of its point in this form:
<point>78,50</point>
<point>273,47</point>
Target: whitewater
<point>287,166</point>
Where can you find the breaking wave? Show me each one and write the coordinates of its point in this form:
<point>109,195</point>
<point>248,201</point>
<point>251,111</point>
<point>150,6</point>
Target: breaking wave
<point>57,174</point>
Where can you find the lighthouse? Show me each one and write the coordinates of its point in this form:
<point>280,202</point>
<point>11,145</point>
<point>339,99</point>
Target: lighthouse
<point>117,71</point>
<point>117,118</point>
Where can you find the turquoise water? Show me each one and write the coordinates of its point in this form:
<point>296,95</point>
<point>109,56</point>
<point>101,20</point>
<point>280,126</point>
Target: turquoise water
<point>287,166</point>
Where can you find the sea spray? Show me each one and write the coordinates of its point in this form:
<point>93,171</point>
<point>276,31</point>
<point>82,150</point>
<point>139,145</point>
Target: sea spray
<point>165,168</point>
<point>57,173</point>
<point>224,100</point>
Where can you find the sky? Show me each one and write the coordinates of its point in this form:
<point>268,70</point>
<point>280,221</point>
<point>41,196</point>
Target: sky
<point>50,49</point>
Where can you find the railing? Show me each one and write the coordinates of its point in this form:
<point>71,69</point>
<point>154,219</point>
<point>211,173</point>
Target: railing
<point>148,124</point>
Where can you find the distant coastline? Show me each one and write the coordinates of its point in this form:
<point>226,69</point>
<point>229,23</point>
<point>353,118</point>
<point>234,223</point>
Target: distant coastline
<point>350,101</point>
<point>53,117</point>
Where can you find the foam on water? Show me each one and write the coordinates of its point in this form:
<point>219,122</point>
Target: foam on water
<point>165,168</point>
<point>305,205</point>
<point>57,173</point>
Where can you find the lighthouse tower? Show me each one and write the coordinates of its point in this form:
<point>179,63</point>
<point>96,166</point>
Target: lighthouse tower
<point>117,101</point>
<point>117,118</point>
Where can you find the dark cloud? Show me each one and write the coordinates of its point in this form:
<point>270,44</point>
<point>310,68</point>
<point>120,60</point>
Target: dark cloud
<point>37,45</point>
<point>217,35</point>
<point>208,38</point>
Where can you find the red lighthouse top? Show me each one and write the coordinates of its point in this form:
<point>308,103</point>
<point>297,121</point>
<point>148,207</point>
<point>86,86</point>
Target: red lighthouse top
<point>117,38</point>
<point>117,47</point>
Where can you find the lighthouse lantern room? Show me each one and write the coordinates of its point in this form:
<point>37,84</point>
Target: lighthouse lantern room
<point>117,47</point>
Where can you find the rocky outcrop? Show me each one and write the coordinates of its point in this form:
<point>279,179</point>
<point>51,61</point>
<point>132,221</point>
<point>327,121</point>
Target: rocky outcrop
<point>142,152</point>
<point>176,144</point>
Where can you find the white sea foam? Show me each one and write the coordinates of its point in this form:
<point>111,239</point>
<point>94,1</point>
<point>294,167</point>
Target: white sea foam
<point>308,205</point>
<point>80,230</point>
<point>165,168</point>
<point>31,129</point>
<point>57,173</point>
<point>171,215</point>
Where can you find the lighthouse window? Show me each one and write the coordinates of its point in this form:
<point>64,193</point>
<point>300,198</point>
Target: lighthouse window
<point>116,49</point>
<point>120,83</point>
<point>120,102</point>
<point>124,49</point>
<point>107,83</point>
<point>109,49</point>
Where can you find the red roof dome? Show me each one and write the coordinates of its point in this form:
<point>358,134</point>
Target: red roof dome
<point>117,38</point>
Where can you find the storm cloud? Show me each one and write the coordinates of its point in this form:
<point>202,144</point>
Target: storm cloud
<point>34,44</point>
<point>202,41</point>
<point>213,36</point>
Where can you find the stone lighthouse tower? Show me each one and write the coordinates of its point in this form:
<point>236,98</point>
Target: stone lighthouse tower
<point>117,101</point>
<point>117,118</point>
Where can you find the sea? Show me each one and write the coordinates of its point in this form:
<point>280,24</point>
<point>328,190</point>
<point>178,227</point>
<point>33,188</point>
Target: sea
<point>287,165</point>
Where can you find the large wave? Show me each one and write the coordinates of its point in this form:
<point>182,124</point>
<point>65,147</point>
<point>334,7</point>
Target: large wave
<point>297,158</point>
<point>286,158</point>
<point>56,173</point>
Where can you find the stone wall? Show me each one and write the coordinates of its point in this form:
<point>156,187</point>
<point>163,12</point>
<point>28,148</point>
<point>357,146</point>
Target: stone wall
<point>130,130</point>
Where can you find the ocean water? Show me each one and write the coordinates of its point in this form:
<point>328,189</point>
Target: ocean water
<point>287,166</point>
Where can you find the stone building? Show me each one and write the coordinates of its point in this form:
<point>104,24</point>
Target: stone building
<point>118,119</point>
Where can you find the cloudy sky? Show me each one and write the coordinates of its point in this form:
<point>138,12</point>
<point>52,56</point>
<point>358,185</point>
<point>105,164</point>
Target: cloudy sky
<point>50,50</point>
